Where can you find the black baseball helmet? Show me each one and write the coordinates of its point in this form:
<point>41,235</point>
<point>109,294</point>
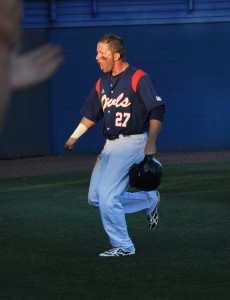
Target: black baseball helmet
<point>146,176</point>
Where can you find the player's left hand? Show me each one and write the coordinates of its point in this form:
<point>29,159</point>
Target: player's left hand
<point>150,149</point>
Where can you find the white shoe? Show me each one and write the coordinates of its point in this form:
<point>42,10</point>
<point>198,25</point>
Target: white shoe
<point>117,252</point>
<point>152,219</point>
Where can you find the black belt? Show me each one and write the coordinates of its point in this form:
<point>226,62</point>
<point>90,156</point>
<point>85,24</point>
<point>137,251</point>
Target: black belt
<point>115,137</point>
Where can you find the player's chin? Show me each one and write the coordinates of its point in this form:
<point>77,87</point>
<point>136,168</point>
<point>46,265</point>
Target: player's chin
<point>106,70</point>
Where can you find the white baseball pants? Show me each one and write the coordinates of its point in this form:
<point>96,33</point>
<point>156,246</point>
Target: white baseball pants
<point>110,182</point>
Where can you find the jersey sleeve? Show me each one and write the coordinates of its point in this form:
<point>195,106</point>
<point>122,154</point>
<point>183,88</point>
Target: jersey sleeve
<point>92,108</point>
<point>157,113</point>
<point>148,93</point>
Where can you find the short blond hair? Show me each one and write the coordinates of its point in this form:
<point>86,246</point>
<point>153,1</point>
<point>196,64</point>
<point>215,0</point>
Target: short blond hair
<point>115,42</point>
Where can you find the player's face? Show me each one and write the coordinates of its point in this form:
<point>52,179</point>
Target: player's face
<point>105,57</point>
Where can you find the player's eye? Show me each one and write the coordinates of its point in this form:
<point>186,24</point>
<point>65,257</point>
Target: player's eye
<point>104,57</point>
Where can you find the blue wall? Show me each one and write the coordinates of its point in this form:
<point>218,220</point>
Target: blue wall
<point>183,44</point>
<point>190,64</point>
<point>82,13</point>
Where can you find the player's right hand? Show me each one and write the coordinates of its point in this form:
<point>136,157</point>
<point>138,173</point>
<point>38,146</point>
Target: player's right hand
<point>69,145</point>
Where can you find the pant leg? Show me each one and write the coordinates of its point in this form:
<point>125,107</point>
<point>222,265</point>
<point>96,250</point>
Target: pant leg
<point>96,176</point>
<point>110,180</point>
<point>133,202</point>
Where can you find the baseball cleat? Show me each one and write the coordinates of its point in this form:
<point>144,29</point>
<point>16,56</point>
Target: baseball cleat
<point>116,252</point>
<point>152,219</point>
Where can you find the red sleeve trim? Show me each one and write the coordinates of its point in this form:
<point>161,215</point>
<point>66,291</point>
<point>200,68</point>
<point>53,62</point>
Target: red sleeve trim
<point>98,87</point>
<point>135,78</point>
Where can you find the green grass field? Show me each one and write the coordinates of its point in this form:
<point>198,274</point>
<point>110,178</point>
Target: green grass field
<point>50,240</point>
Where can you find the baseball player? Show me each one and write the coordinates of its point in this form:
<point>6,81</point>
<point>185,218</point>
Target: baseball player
<point>132,111</point>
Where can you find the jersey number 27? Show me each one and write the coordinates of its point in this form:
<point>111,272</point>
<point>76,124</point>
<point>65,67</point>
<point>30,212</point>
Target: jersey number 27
<point>122,119</point>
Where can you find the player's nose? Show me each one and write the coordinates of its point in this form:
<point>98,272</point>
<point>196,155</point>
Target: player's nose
<point>98,57</point>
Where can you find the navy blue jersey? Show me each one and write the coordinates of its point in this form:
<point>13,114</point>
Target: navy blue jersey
<point>124,103</point>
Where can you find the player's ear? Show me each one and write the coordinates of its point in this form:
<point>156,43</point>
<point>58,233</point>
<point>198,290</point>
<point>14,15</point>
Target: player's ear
<point>117,56</point>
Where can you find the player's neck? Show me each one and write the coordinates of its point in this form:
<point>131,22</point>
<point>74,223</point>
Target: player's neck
<point>119,67</point>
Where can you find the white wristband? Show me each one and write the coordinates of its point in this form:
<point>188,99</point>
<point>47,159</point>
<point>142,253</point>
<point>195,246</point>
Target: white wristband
<point>80,130</point>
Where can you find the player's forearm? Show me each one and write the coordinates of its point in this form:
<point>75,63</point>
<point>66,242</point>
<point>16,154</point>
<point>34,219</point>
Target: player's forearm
<point>87,122</point>
<point>81,129</point>
<point>10,23</point>
<point>154,130</point>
